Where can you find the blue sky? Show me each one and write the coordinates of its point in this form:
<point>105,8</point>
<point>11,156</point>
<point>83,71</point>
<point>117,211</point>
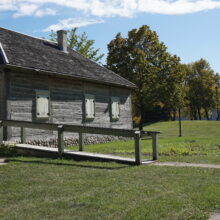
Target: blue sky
<point>189,28</point>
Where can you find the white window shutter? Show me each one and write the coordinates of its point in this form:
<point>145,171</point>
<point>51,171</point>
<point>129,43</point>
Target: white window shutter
<point>89,106</point>
<point>92,105</point>
<point>42,104</point>
<point>115,108</point>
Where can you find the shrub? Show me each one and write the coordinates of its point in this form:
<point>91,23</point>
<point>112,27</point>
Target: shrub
<point>8,150</point>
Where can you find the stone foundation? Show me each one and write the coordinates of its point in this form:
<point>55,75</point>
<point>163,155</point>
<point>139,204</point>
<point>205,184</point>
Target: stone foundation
<point>74,141</point>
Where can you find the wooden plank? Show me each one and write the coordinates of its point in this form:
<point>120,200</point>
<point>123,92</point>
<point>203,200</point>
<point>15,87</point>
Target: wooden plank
<point>137,139</point>
<point>101,156</point>
<point>75,155</point>
<point>99,130</point>
<point>81,141</point>
<point>6,105</point>
<point>1,94</point>
<point>23,135</point>
<point>29,124</point>
<point>70,128</point>
<point>155,145</point>
<point>60,140</point>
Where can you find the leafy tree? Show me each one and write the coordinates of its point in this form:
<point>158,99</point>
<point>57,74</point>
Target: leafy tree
<point>171,91</point>
<point>144,60</point>
<point>80,43</point>
<point>200,80</point>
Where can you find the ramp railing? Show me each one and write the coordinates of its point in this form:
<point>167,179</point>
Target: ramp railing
<point>81,130</point>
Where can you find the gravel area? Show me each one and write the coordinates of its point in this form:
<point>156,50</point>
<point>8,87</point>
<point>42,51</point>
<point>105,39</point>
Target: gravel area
<point>180,164</point>
<point>215,216</point>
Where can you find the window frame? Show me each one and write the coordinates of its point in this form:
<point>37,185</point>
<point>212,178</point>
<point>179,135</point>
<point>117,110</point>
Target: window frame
<point>43,93</point>
<point>89,97</point>
<point>113,100</point>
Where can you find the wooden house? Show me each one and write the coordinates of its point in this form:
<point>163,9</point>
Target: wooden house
<point>45,81</point>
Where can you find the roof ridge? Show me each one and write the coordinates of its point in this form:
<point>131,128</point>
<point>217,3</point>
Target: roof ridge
<point>38,38</point>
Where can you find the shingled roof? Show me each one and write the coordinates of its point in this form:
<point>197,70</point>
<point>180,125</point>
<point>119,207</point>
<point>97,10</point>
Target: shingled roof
<point>43,55</point>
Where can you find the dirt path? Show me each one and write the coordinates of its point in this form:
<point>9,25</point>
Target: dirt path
<point>2,161</point>
<point>215,216</point>
<point>181,164</point>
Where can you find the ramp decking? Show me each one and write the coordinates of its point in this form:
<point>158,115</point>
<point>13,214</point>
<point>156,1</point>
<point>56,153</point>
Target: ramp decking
<point>27,149</point>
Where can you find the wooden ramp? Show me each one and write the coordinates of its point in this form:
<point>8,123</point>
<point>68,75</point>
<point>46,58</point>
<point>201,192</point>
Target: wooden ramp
<point>32,150</point>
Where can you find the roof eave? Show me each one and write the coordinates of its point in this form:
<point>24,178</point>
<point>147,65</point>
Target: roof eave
<point>68,76</point>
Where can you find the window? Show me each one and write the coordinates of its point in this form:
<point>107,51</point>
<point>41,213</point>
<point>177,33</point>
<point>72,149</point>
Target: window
<point>89,106</point>
<point>115,108</point>
<point>42,104</point>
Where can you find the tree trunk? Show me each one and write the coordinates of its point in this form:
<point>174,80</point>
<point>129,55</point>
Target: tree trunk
<point>174,116</point>
<point>207,113</point>
<point>194,115</point>
<point>193,112</point>
<point>199,113</point>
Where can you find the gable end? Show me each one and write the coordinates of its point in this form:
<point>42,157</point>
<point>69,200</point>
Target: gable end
<point>3,55</point>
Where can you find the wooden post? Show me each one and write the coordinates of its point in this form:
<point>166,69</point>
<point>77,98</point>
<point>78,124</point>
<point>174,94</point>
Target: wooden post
<point>5,133</point>
<point>154,146</point>
<point>1,133</point>
<point>81,141</point>
<point>23,135</point>
<point>60,140</point>
<point>180,124</point>
<point>137,139</point>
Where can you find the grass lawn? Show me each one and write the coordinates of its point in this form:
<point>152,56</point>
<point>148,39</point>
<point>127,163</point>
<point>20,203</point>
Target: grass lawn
<point>200,143</point>
<point>35,188</point>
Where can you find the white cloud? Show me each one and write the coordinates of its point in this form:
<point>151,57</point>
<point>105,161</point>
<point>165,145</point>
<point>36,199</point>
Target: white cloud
<point>44,12</point>
<point>177,7</point>
<point>72,23</point>
<point>107,8</point>
<point>25,10</point>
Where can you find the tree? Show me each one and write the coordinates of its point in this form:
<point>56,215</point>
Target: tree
<point>171,92</point>
<point>144,60</point>
<point>200,80</point>
<point>81,44</point>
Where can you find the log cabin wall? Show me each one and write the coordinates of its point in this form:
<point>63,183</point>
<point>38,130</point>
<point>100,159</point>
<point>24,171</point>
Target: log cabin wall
<point>66,102</point>
<point>102,96</point>
<point>2,106</point>
<point>22,101</point>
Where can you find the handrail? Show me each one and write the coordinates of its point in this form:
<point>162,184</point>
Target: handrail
<point>70,128</point>
<point>81,129</point>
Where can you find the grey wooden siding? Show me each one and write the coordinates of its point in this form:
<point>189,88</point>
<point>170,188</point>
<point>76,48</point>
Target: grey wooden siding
<point>66,102</point>
<point>1,95</point>
<point>125,119</point>
<point>102,106</point>
<point>22,105</point>
<point>101,94</point>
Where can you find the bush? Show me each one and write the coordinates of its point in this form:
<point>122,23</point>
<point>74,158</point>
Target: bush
<point>8,150</point>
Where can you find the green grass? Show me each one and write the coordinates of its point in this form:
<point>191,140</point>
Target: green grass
<point>33,188</point>
<point>200,143</point>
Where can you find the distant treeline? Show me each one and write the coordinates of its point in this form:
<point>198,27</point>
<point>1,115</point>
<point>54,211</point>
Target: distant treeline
<point>164,85</point>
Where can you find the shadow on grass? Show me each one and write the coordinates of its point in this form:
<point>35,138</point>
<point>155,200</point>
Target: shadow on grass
<point>66,164</point>
<point>135,126</point>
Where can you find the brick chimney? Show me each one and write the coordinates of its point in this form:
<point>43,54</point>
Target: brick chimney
<point>62,40</point>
